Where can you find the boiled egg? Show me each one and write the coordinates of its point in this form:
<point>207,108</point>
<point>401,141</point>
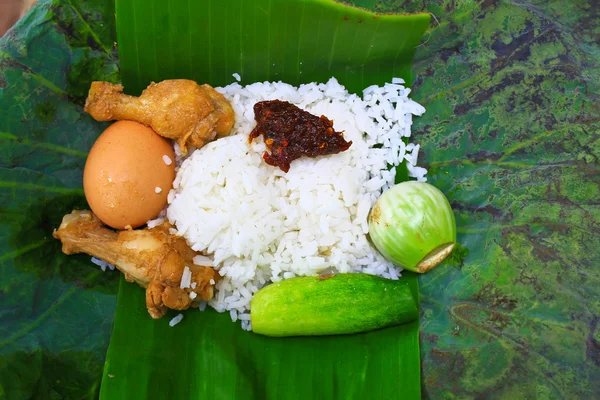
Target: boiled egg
<point>128,175</point>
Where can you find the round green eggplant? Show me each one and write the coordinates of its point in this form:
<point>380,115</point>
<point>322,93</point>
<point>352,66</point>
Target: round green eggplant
<point>413,226</point>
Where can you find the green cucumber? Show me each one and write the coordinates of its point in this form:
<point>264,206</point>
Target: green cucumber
<point>331,305</point>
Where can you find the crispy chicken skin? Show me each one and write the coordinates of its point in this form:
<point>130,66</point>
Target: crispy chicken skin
<point>178,109</point>
<point>153,258</point>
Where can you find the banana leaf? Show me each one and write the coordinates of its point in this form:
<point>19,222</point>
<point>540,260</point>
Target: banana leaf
<point>511,135</point>
<point>207,355</point>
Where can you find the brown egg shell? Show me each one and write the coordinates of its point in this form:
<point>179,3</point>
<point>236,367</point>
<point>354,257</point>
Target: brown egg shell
<point>122,172</point>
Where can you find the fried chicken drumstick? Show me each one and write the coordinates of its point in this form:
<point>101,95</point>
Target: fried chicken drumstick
<point>153,258</point>
<point>178,109</point>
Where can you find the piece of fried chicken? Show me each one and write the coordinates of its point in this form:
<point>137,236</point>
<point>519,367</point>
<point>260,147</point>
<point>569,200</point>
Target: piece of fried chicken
<point>153,258</point>
<point>178,109</point>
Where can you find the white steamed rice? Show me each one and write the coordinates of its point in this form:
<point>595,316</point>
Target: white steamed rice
<point>257,224</point>
<point>102,264</point>
<point>175,320</point>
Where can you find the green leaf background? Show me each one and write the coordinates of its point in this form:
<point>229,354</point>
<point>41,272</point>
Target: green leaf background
<point>55,312</point>
<point>511,134</point>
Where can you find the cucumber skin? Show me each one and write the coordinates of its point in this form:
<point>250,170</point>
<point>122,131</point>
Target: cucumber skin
<point>341,304</point>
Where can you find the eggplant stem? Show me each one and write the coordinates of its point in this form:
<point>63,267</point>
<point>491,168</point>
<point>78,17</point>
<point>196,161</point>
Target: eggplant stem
<point>434,257</point>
